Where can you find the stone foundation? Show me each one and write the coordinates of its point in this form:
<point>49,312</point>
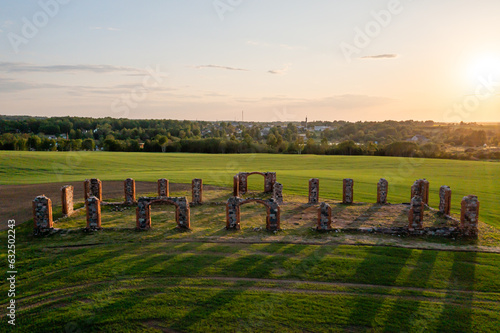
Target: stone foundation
<point>92,187</point>
<point>129,187</point>
<point>469,216</point>
<point>348,191</point>
<point>197,191</point>
<point>416,214</point>
<point>67,200</point>
<point>382,191</point>
<point>324,217</point>
<point>182,211</point>
<point>163,187</point>
<point>278,193</point>
<point>445,200</point>
<point>269,180</point>
<point>42,214</point>
<point>313,191</point>
<point>93,205</point>
<point>233,213</point>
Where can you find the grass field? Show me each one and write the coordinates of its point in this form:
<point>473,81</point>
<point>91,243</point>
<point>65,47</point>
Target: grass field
<point>213,280</point>
<point>293,171</point>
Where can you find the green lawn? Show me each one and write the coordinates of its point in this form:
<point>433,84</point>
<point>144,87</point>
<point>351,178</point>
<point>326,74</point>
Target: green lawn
<point>294,171</point>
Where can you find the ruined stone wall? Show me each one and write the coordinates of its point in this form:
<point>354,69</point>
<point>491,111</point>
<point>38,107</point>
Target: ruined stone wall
<point>67,200</point>
<point>42,214</point>
<point>129,188</point>
<point>163,187</point>
<point>324,217</point>
<point>416,213</point>
<point>445,200</point>
<point>382,191</point>
<point>421,188</point>
<point>269,180</point>
<point>348,191</point>
<point>197,191</point>
<point>182,211</point>
<point>313,191</point>
<point>273,217</point>
<point>278,193</point>
<point>93,205</point>
<point>469,216</point>
<point>92,187</point>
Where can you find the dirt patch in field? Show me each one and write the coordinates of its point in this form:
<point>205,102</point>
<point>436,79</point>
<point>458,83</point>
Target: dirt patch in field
<point>16,199</point>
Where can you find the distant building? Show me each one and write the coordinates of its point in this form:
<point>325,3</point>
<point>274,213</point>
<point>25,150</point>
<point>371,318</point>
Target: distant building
<point>418,139</point>
<point>321,128</point>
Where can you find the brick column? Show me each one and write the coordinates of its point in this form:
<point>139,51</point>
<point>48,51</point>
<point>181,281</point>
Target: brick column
<point>313,191</point>
<point>93,205</point>
<point>129,188</point>
<point>382,191</point>
<point>416,214</point>
<point>42,214</point>
<point>92,187</point>
<point>197,191</point>
<point>67,200</point>
<point>348,191</point>
<point>445,200</point>
<point>233,213</point>
<point>469,216</point>
<point>163,187</point>
<point>324,217</point>
<point>278,193</point>
<point>426,186</point>
<point>236,186</point>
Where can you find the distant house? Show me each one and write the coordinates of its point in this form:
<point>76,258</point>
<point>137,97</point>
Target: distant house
<point>418,139</point>
<point>265,131</point>
<point>321,128</point>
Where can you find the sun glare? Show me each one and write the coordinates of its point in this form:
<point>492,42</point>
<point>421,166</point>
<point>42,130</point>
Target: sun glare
<point>486,66</point>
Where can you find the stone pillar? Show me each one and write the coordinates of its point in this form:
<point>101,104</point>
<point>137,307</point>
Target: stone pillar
<point>445,200</point>
<point>67,200</point>
<point>348,190</point>
<point>42,214</point>
<point>182,213</point>
<point>129,187</point>
<point>278,193</point>
<point>416,214</point>
<point>324,217</point>
<point>92,187</point>
<point>243,186</point>
<point>233,213</point>
<point>163,187</point>
<point>426,186</point>
<point>236,186</point>
<point>143,211</point>
<point>273,219</point>
<point>93,213</point>
<point>382,191</point>
<point>421,188</point>
<point>313,191</point>
<point>270,179</point>
<point>469,216</point>
<point>197,191</point>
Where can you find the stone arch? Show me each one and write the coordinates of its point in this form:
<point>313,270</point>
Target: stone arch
<point>233,212</point>
<point>269,180</point>
<point>143,211</point>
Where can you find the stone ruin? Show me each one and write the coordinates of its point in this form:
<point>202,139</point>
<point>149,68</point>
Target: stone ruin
<point>163,188</point>
<point>313,191</point>
<point>143,211</point>
<point>129,188</point>
<point>236,186</point>
<point>382,191</point>
<point>278,193</point>
<point>92,187</point>
<point>233,212</point>
<point>416,213</point>
<point>324,217</point>
<point>67,200</point>
<point>421,188</point>
<point>348,191</point>
<point>93,205</point>
<point>445,200</point>
<point>469,217</point>
<point>242,188</point>
<point>197,191</point>
<point>42,214</point>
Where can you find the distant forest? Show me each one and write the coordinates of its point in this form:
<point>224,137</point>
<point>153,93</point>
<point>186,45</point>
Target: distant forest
<point>387,138</point>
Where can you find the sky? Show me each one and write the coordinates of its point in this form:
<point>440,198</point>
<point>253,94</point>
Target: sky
<point>252,60</point>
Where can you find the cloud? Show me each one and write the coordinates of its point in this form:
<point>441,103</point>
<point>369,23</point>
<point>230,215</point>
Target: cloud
<point>282,71</point>
<point>381,56</point>
<point>18,67</point>
<point>105,28</point>
<point>222,67</point>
